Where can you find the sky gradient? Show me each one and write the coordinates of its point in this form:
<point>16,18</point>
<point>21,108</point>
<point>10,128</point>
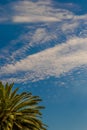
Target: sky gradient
<point>43,49</point>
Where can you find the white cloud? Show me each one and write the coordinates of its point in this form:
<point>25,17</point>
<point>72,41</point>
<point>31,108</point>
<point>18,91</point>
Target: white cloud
<point>28,11</point>
<point>39,37</point>
<point>51,62</point>
<point>34,18</point>
<point>42,35</point>
<point>70,26</point>
<point>39,11</point>
<point>81,17</point>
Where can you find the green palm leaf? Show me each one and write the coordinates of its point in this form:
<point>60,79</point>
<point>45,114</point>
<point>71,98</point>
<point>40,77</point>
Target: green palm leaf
<point>19,111</point>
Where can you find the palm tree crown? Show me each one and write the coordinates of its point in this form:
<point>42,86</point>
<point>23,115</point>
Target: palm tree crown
<point>19,111</point>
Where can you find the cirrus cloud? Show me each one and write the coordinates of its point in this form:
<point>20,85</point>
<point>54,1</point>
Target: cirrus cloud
<point>51,62</point>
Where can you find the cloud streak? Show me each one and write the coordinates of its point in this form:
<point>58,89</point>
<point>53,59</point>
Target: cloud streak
<point>39,11</point>
<point>54,60</point>
<point>32,12</point>
<point>27,11</point>
<point>51,62</point>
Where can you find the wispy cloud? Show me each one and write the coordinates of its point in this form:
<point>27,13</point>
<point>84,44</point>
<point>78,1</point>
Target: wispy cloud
<point>39,11</point>
<point>70,26</point>
<point>39,36</point>
<point>51,62</point>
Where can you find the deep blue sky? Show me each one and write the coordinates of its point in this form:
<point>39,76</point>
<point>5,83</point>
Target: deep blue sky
<point>43,49</point>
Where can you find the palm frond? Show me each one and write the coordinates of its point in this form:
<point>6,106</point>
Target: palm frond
<point>19,111</point>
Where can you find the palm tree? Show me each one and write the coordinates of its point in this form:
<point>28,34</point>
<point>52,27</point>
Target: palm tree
<point>19,111</point>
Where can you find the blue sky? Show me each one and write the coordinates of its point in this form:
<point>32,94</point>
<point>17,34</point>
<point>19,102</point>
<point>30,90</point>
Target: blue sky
<point>43,49</point>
